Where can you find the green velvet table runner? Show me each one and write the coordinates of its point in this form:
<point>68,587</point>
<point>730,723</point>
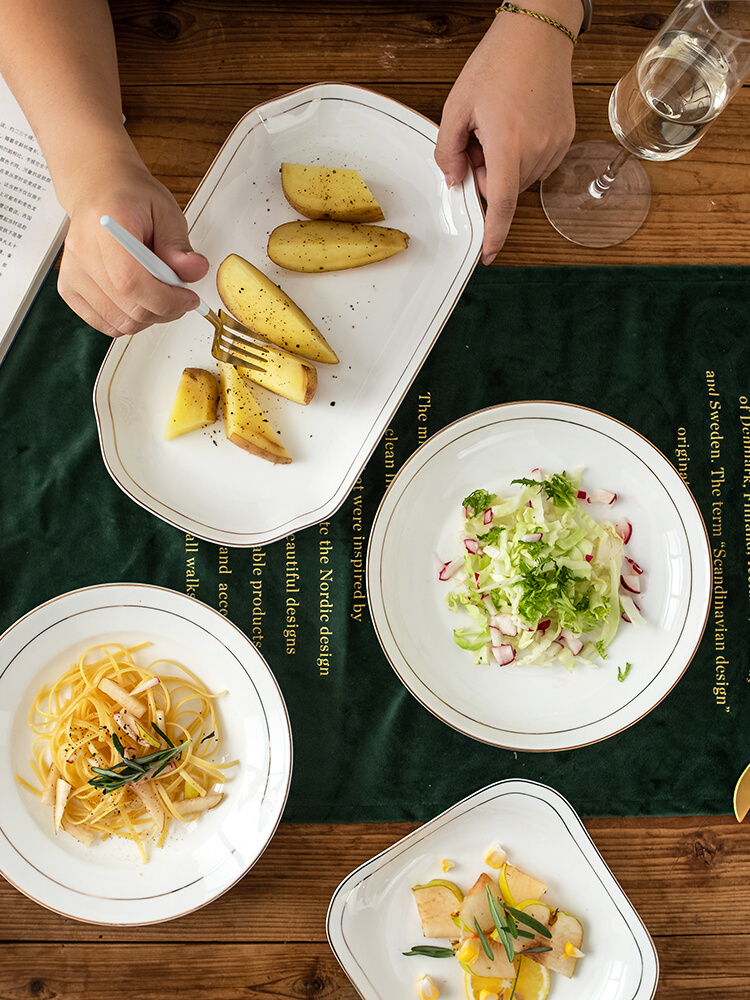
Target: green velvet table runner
<point>665,350</point>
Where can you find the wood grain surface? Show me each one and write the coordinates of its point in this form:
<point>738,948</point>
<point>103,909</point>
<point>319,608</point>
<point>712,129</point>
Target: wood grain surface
<point>190,69</point>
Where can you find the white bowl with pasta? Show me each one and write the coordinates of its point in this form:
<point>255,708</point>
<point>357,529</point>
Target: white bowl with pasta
<point>105,876</point>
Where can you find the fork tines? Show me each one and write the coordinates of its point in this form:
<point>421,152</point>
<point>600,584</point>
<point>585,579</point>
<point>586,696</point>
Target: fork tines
<point>239,351</point>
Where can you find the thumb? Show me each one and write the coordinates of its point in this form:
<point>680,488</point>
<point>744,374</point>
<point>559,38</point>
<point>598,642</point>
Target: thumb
<point>450,149</point>
<point>172,243</point>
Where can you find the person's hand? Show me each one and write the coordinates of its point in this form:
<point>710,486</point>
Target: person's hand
<point>98,279</point>
<point>511,112</point>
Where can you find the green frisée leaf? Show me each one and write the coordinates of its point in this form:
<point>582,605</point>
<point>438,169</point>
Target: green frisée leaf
<point>479,501</point>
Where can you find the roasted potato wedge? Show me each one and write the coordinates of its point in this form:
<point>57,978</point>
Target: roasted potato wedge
<point>244,422</point>
<point>195,403</point>
<point>259,304</point>
<point>285,375</point>
<point>320,245</point>
<point>329,193</point>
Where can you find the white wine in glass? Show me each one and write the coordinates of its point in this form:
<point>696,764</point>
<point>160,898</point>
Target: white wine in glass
<point>684,78</point>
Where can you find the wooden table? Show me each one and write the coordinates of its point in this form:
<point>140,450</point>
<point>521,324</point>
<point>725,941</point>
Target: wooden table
<point>190,69</point>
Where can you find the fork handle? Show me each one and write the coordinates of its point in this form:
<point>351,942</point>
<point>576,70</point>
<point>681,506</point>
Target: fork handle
<point>153,264</point>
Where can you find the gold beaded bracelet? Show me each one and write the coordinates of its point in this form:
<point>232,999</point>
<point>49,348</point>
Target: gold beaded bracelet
<point>511,8</point>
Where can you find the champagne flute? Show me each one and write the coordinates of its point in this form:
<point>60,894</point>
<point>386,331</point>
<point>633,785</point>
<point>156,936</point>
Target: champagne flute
<point>683,79</point>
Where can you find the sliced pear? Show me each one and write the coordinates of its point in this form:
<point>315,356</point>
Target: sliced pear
<point>516,886</point>
<point>244,422</point>
<point>329,193</point>
<point>332,246</point>
<point>566,940</point>
<point>542,913</point>
<point>259,304</point>
<point>194,405</point>
<point>499,966</point>
<point>285,375</point>
<point>475,906</point>
<point>436,902</point>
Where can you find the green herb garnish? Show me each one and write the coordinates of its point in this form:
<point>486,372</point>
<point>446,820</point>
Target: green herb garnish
<point>484,942</point>
<point>430,951</point>
<point>622,674</point>
<point>479,500</point>
<point>558,489</point>
<point>133,769</point>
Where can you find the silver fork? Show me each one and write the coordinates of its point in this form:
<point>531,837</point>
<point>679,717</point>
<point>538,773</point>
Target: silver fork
<point>241,347</point>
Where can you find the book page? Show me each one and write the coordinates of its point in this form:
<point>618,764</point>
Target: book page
<point>32,221</point>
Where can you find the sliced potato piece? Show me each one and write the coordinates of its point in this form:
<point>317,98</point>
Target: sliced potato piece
<point>244,422</point>
<point>194,405</point>
<point>319,245</point>
<point>437,902</point>
<point>285,375</point>
<point>329,193</point>
<point>263,307</point>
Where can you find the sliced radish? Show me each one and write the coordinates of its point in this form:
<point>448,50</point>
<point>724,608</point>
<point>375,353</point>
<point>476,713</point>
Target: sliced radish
<point>633,565</point>
<point>624,529</point>
<point>601,496</point>
<point>532,536</point>
<point>574,644</point>
<point>504,624</point>
<point>449,569</point>
<point>631,582</point>
<point>471,545</point>
<point>504,654</point>
<point>487,519</point>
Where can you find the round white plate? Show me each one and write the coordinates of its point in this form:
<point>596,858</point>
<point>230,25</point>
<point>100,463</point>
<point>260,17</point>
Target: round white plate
<point>107,883</point>
<point>418,522</point>
<point>372,918</point>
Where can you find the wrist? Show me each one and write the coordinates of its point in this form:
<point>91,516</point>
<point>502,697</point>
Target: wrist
<point>100,160</point>
<point>568,14</point>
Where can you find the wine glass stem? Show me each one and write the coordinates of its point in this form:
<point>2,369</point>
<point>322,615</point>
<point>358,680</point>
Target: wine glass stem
<point>601,184</point>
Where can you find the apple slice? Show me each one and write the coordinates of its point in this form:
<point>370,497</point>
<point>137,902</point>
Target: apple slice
<point>329,193</point>
<point>259,304</point>
<point>320,245</point>
<point>436,902</point>
<point>285,375</point>
<point>194,405</point>
<point>244,422</point>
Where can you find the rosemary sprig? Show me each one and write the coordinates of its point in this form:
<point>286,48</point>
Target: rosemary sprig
<point>484,942</point>
<point>430,951</point>
<point>132,769</point>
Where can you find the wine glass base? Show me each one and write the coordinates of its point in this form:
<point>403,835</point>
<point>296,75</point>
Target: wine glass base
<point>592,221</point>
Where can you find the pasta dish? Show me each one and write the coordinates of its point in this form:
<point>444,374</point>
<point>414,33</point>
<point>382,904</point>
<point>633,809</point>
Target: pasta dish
<point>125,750</point>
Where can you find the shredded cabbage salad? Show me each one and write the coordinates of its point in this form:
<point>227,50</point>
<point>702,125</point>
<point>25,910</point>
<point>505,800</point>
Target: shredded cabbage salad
<point>539,578</point>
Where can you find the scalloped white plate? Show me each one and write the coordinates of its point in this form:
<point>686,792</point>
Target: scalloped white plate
<point>107,883</point>
<point>381,320</point>
<point>537,708</point>
<point>372,918</point>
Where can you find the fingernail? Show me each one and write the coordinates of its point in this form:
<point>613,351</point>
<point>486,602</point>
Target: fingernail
<point>488,258</point>
<point>450,181</point>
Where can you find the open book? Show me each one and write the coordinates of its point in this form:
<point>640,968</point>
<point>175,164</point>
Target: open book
<point>32,222</point>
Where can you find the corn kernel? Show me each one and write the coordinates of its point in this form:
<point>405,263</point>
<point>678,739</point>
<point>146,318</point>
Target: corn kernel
<point>426,989</point>
<point>469,950</point>
<point>446,864</point>
<point>494,856</point>
<point>571,951</point>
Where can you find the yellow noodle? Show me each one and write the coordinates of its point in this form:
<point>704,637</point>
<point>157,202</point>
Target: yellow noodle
<point>73,722</point>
